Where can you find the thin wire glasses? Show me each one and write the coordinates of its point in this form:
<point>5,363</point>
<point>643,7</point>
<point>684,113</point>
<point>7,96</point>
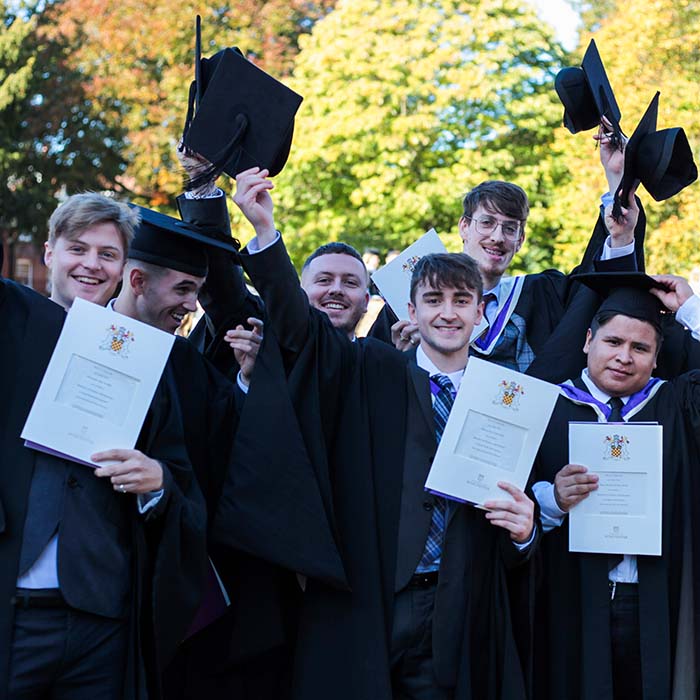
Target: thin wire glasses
<point>486,225</point>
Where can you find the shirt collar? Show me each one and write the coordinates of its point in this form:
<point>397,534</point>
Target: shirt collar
<point>495,291</point>
<point>597,393</point>
<point>424,362</point>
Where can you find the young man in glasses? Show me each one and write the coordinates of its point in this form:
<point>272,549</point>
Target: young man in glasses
<point>522,312</point>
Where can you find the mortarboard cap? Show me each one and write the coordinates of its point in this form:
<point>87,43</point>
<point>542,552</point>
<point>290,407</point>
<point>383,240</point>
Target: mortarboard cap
<point>168,242</point>
<point>626,293</point>
<point>238,116</point>
<point>587,95</point>
<point>661,160</point>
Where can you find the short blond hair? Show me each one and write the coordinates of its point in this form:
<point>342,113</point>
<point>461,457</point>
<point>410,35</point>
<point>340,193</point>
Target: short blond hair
<point>81,211</point>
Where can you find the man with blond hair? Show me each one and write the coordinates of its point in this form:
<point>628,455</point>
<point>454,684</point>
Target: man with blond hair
<point>89,236</point>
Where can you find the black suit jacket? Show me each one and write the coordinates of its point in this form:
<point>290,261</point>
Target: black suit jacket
<point>166,546</point>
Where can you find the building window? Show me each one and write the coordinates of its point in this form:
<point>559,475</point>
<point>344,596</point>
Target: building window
<point>24,271</point>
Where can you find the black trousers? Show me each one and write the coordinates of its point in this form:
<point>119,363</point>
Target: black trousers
<point>66,654</point>
<point>412,675</point>
<point>626,650</point>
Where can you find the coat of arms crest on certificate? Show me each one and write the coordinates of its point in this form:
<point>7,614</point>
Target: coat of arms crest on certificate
<point>118,340</point>
<point>410,265</point>
<point>616,447</point>
<point>509,394</point>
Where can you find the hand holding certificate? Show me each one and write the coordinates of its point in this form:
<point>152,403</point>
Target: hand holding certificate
<point>623,515</point>
<point>492,435</point>
<point>98,385</point>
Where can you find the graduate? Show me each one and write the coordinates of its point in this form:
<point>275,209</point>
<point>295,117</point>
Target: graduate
<point>623,627</point>
<point>355,520</point>
<point>89,556</point>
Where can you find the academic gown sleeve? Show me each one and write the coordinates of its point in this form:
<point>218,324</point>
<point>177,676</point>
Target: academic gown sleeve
<point>226,299</point>
<point>172,560</point>
<point>276,502</point>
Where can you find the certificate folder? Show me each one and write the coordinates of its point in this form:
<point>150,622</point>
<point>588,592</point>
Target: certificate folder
<point>493,433</point>
<point>623,516</point>
<point>98,385</point>
<point>394,279</point>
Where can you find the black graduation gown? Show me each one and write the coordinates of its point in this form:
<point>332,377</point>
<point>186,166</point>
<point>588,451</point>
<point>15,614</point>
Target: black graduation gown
<point>572,647</point>
<point>546,296</point>
<point>560,359</point>
<point>168,544</point>
<point>222,659</point>
<point>332,506</point>
<point>246,653</point>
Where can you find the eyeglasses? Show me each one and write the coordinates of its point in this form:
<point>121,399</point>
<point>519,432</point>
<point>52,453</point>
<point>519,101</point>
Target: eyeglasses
<point>486,225</point>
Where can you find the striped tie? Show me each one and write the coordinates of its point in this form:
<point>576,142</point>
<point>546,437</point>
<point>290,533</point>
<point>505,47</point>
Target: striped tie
<point>443,390</point>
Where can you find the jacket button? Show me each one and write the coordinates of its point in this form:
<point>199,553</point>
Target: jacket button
<point>427,505</point>
<point>72,482</point>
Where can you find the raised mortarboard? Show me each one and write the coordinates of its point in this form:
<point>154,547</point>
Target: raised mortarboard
<point>626,293</point>
<point>168,242</point>
<point>661,160</point>
<point>587,95</point>
<point>238,116</point>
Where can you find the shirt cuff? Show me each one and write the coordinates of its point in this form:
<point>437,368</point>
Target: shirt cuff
<point>609,252</point>
<point>689,315</point>
<point>218,192</point>
<point>148,500</point>
<point>524,545</point>
<point>241,384</point>
<point>607,199</point>
<point>551,515</point>
<point>253,246</point>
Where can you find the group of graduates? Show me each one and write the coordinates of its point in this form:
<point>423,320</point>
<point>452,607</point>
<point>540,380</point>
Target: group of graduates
<point>270,536</point>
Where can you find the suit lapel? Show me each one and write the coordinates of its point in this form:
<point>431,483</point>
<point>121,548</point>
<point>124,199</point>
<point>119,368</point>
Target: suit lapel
<point>421,385</point>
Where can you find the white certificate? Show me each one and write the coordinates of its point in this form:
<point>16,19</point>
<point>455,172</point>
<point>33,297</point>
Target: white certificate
<point>493,433</point>
<point>394,279</point>
<point>623,516</point>
<point>98,385</point>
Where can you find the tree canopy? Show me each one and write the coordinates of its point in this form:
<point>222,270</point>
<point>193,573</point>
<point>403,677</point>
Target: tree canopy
<point>53,137</point>
<point>409,105</point>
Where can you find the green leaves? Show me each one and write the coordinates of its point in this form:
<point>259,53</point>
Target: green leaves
<point>410,104</point>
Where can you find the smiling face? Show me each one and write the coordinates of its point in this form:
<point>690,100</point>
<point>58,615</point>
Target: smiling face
<point>88,265</point>
<point>493,252</point>
<point>621,355</point>
<point>336,284</point>
<point>445,319</point>
<point>163,300</point>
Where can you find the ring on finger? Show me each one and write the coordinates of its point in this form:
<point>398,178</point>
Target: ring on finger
<point>122,488</point>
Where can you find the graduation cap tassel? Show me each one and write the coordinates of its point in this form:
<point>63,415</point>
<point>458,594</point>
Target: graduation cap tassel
<point>221,160</point>
<point>190,115</point>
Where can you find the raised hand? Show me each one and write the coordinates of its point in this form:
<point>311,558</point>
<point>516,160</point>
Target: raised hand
<point>253,198</point>
<point>246,344</point>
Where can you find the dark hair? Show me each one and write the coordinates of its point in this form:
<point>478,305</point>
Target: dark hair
<point>335,248</point>
<point>453,270</point>
<point>604,317</point>
<point>498,196</point>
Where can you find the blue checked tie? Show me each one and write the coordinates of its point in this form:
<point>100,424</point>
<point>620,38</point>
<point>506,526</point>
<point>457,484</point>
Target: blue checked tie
<point>442,405</point>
